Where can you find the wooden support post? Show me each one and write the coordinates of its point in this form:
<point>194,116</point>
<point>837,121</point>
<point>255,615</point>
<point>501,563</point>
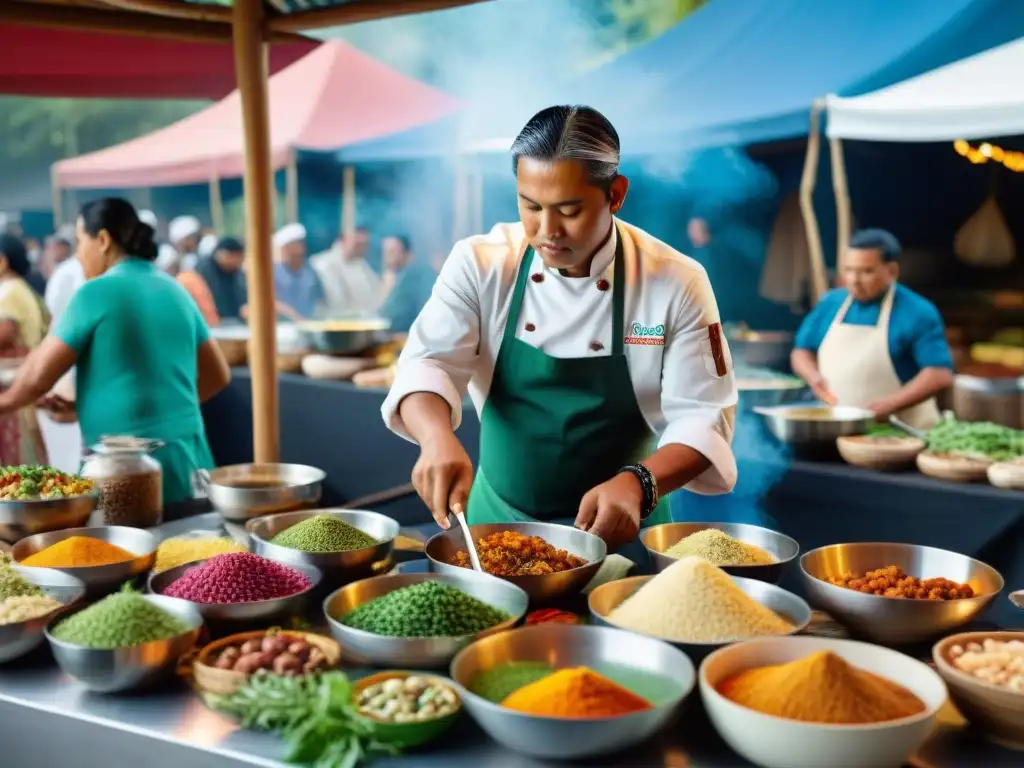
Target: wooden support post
<point>819,274</point>
<point>216,205</point>
<point>844,210</point>
<point>251,71</point>
<point>348,200</point>
<point>291,186</point>
<point>58,199</point>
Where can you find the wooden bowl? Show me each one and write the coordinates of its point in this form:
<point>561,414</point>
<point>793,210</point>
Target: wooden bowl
<point>997,712</point>
<point>227,681</point>
<point>1007,474</point>
<point>882,453</point>
<point>408,735</point>
<point>956,469</point>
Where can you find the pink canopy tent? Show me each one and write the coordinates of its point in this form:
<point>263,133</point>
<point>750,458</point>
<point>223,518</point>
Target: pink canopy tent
<point>331,98</point>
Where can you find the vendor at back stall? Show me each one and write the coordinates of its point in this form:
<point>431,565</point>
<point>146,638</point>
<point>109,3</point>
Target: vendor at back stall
<point>582,340</point>
<point>144,356</point>
<point>875,343</point>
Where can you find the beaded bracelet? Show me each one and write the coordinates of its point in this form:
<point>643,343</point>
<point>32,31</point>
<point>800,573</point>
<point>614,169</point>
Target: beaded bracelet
<point>649,485</point>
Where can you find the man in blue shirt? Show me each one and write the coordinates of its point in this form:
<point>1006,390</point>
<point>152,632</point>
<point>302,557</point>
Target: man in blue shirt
<point>875,343</point>
<point>411,283</point>
<point>296,284</point>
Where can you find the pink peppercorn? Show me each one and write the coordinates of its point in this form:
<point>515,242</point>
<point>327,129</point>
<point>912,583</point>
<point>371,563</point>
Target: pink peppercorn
<point>239,577</point>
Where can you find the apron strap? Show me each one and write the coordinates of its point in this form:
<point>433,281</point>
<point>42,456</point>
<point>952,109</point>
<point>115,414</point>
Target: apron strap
<point>618,296</point>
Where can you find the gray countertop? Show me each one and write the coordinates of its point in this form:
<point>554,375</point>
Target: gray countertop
<point>46,719</point>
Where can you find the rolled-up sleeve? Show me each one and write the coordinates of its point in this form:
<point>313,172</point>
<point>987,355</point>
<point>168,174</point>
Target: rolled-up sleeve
<point>441,352</point>
<point>698,397</point>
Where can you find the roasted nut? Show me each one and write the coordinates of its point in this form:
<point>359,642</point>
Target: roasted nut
<point>287,664</point>
<point>251,646</point>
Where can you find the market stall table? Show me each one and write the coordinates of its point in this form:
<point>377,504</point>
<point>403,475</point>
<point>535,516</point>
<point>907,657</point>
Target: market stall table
<point>169,727</point>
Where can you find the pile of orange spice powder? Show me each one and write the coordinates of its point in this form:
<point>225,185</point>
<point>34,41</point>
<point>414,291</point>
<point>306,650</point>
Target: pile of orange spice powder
<point>78,552</point>
<point>821,688</point>
<point>575,693</point>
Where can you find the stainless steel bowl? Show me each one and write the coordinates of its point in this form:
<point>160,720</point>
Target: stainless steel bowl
<point>813,425</point>
<point>337,567</point>
<point>608,597</point>
<point>259,612</point>
<point>417,652</point>
<point>761,349</point>
<point>441,548</point>
<point>121,669</point>
<point>19,519</point>
<point>99,579</point>
<point>659,538</point>
<point>241,492</point>
<point>889,620</point>
<point>563,646</point>
<point>753,397</point>
<point>331,337</point>
<point>20,638</point>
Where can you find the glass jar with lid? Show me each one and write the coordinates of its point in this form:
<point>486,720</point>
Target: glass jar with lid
<point>130,481</point>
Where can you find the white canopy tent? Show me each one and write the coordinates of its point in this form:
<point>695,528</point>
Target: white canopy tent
<point>976,97</point>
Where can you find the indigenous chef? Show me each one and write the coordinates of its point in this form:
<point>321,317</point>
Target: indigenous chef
<point>875,343</point>
<point>581,339</point>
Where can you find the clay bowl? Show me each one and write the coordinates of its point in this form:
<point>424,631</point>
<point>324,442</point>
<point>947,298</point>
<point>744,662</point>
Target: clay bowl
<point>887,454</point>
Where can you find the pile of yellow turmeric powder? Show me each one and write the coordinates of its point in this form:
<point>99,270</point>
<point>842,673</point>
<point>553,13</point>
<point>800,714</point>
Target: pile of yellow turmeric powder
<point>78,552</point>
<point>821,688</point>
<point>575,693</point>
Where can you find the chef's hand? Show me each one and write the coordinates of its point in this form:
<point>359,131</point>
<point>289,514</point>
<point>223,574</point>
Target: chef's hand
<point>443,476</point>
<point>612,510</point>
<point>821,391</point>
<point>882,409</point>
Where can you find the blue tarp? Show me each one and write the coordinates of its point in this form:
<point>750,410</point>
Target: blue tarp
<point>747,71</point>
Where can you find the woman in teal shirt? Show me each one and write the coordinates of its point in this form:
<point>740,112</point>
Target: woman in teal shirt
<point>145,359</point>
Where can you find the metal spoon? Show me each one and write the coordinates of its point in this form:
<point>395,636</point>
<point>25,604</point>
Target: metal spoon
<point>1017,598</point>
<point>900,424</point>
<point>474,558</point>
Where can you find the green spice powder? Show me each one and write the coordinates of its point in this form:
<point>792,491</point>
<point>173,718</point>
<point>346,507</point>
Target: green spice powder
<point>121,620</point>
<point>497,683</point>
<point>13,585</point>
<point>429,609</point>
<point>324,533</point>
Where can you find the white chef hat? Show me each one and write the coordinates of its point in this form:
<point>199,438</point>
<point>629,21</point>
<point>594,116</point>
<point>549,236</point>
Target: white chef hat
<point>182,227</point>
<point>207,245</point>
<point>146,216</point>
<point>288,234</point>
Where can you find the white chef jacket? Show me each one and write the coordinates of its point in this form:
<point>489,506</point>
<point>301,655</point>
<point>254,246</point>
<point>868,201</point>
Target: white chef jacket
<point>350,286</point>
<point>669,308</point>
<point>67,277</point>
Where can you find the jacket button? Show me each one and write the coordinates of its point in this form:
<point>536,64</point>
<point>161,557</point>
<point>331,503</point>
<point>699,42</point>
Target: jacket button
<point>537,277</point>
<point>530,327</point>
<point>603,285</point>
<point>596,346</point>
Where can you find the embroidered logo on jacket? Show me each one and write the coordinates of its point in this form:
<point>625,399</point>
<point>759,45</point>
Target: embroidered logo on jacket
<point>646,335</point>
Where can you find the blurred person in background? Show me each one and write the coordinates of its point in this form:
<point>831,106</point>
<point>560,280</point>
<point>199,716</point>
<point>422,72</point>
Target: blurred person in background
<point>408,283</point>
<point>57,249</point>
<point>875,343</point>
<point>592,351</point>
<point>183,233</point>
<point>218,283</point>
<point>297,287</point>
<point>350,285</point>
<point>36,277</point>
<point>22,327</point>
<point>145,359</point>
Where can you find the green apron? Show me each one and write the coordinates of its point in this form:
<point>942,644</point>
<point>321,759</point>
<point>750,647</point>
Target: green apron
<point>554,428</point>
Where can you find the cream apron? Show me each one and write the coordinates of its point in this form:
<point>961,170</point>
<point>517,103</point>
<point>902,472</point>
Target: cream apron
<point>855,362</point>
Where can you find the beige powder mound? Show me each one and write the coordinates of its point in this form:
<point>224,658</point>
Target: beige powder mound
<point>693,601</point>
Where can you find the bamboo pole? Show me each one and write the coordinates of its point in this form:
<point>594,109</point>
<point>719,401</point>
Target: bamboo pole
<point>251,71</point>
<point>216,204</point>
<point>291,201</point>
<point>844,209</point>
<point>46,16</point>
<point>356,11</point>
<point>58,199</point>
<point>819,274</point>
<point>175,9</point>
<point>348,200</point>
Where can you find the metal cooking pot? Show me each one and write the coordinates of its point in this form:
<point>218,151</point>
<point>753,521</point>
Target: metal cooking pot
<point>344,337</point>
<point>811,425</point>
<point>760,349</point>
<point>243,491</point>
